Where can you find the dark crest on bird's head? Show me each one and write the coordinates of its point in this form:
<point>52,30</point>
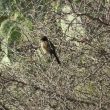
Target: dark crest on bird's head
<point>44,38</point>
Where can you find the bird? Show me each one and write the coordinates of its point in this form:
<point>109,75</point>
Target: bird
<point>48,48</point>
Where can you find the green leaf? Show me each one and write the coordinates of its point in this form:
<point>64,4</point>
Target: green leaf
<point>15,36</point>
<point>77,1</point>
<point>6,27</point>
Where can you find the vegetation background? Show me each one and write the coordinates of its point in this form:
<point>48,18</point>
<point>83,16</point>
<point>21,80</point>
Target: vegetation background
<point>80,30</point>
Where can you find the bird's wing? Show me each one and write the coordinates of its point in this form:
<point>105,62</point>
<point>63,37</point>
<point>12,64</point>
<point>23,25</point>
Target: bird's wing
<point>52,47</point>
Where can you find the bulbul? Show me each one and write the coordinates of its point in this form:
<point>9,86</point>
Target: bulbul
<point>48,48</point>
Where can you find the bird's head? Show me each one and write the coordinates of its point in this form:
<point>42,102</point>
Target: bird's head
<point>44,38</point>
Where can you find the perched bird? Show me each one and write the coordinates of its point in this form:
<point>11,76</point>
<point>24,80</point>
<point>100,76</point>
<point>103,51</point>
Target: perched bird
<point>48,48</point>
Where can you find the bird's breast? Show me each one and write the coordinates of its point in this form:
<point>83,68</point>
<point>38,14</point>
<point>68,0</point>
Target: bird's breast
<point>44,47</point>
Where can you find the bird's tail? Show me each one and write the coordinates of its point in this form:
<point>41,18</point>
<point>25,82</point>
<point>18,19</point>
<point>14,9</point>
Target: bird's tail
<point>57,59</point>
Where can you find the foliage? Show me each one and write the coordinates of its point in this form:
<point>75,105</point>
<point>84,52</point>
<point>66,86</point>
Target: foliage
<point>81,36</point>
